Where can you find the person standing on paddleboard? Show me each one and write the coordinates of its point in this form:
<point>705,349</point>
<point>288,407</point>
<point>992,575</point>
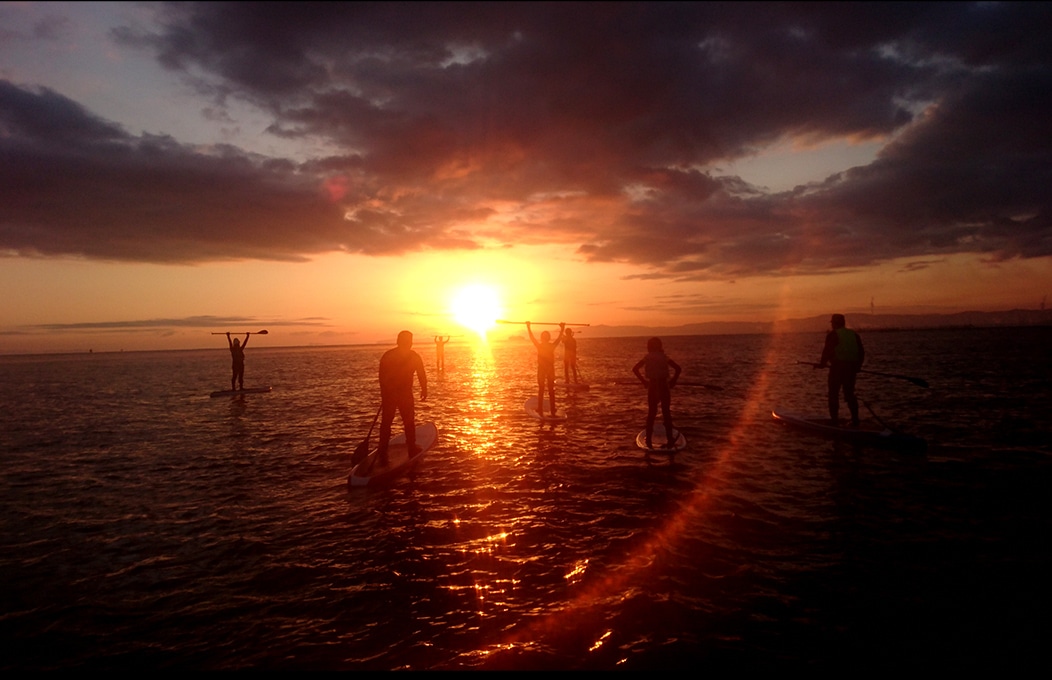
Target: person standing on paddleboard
<point>440,352</point>
<point>569,356</point>
<point>545,365</point>
<point>843,353</point>
<point>397,368</point>
<point>659,387</point>
<point>237,357</point>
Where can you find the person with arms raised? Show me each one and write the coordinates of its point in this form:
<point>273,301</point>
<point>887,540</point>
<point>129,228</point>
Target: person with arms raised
<point>546,365</point>
<point>440,351</point>
<point>237,357</point>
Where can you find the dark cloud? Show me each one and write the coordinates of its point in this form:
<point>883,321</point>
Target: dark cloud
<point>459,125</point>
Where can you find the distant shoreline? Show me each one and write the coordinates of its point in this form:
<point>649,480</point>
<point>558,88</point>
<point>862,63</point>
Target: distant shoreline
<point>867,323</point>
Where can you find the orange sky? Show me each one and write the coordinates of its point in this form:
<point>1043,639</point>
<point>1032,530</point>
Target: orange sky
<point>338,174</point>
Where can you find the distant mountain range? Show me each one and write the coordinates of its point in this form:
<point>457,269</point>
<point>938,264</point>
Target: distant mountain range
<point>1014,317</point>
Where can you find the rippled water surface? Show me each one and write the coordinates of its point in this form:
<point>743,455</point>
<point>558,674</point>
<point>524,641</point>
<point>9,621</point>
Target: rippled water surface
<point>146,525</point>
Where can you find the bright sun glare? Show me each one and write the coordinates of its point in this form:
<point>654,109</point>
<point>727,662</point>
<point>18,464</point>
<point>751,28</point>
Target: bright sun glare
<point>476,307</point>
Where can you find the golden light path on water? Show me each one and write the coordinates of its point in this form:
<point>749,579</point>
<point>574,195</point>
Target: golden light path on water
<point>617,584</point>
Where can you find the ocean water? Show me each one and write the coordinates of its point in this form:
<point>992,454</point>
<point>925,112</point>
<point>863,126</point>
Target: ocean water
<point>144,525</point>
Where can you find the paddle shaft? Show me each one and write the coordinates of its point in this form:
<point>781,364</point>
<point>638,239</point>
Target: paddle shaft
<point>363,448</point>
<point>920,382</point>
<point>246,333</point>
<point>542,323</point>
<point>874,414</point>
<point>679,383</point>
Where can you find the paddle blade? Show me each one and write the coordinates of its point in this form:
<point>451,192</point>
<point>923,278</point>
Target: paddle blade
<point>361,452</point>
<point>261,332</point>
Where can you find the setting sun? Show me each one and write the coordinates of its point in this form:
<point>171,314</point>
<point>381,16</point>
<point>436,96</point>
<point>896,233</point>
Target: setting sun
<point>476,307</point>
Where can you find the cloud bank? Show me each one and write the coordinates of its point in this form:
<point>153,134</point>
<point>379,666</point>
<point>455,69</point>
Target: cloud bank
<point>597,126</point>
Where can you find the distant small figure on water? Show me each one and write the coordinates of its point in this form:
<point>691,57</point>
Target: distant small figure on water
<point>545,365</point>
<point>570,356</point>
<point>397,368</point>
<point>659,387</point>
<point>843,353</point>
<point>237,356</point>
<point>440,351</point>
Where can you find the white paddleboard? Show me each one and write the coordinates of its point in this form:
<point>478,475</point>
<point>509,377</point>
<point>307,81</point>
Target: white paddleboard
<point>546,416</point>
<point>659,440</point>
<point>399,461</point>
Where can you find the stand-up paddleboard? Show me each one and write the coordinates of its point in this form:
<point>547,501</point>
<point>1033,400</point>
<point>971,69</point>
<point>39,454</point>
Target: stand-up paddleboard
<point>867,433</point>
<point>546,416</point>
<point>234,393</point>
<point>399,461</point>
<point>659,440</point>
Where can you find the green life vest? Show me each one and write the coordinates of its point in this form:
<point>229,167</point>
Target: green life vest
<point>846,346</point>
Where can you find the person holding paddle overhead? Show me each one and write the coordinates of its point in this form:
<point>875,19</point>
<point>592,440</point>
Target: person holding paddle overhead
<point>545,365</point>
<point>237,357</point>
<point>397,368</point>
<point>659,387</point>
<point>843,353</point>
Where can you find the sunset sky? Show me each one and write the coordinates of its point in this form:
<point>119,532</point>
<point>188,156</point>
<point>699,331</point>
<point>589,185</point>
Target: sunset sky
<point>336,172</point>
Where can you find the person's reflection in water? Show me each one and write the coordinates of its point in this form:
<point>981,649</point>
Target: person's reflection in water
<point>545,365</point>
<point>397,368</point>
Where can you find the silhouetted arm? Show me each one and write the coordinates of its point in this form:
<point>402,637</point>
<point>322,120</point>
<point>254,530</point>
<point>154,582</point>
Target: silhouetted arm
<point>635,369</point>
<point>828,350</point>
<point>562,329</point>
<point>676,371</point>
<point>421,373</point>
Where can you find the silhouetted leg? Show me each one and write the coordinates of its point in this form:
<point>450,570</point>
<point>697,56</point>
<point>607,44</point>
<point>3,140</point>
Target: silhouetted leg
<point>386,418</point>
<point>408,413</point>
<point>849,395</point>
<point>652,405</point>
<point>551,394</point>
<point>666,414</point>
<point>834,396</point>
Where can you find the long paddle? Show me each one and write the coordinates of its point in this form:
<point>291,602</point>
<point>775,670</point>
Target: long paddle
<point>363,449</point>
<point>263,332</point>
<point>874,414</point>
<point>920,382</point>
<point>679,383</point>
<point>541,323</point>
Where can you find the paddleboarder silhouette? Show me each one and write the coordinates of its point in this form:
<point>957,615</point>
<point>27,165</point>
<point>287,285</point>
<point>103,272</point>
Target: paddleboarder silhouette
<point>570,356</point>
<point>237,356</point>
<point>397,368</point>
<point>545,365</point>
<point>440,351</point>
<point>659,388</point>
<point>843,353</point>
